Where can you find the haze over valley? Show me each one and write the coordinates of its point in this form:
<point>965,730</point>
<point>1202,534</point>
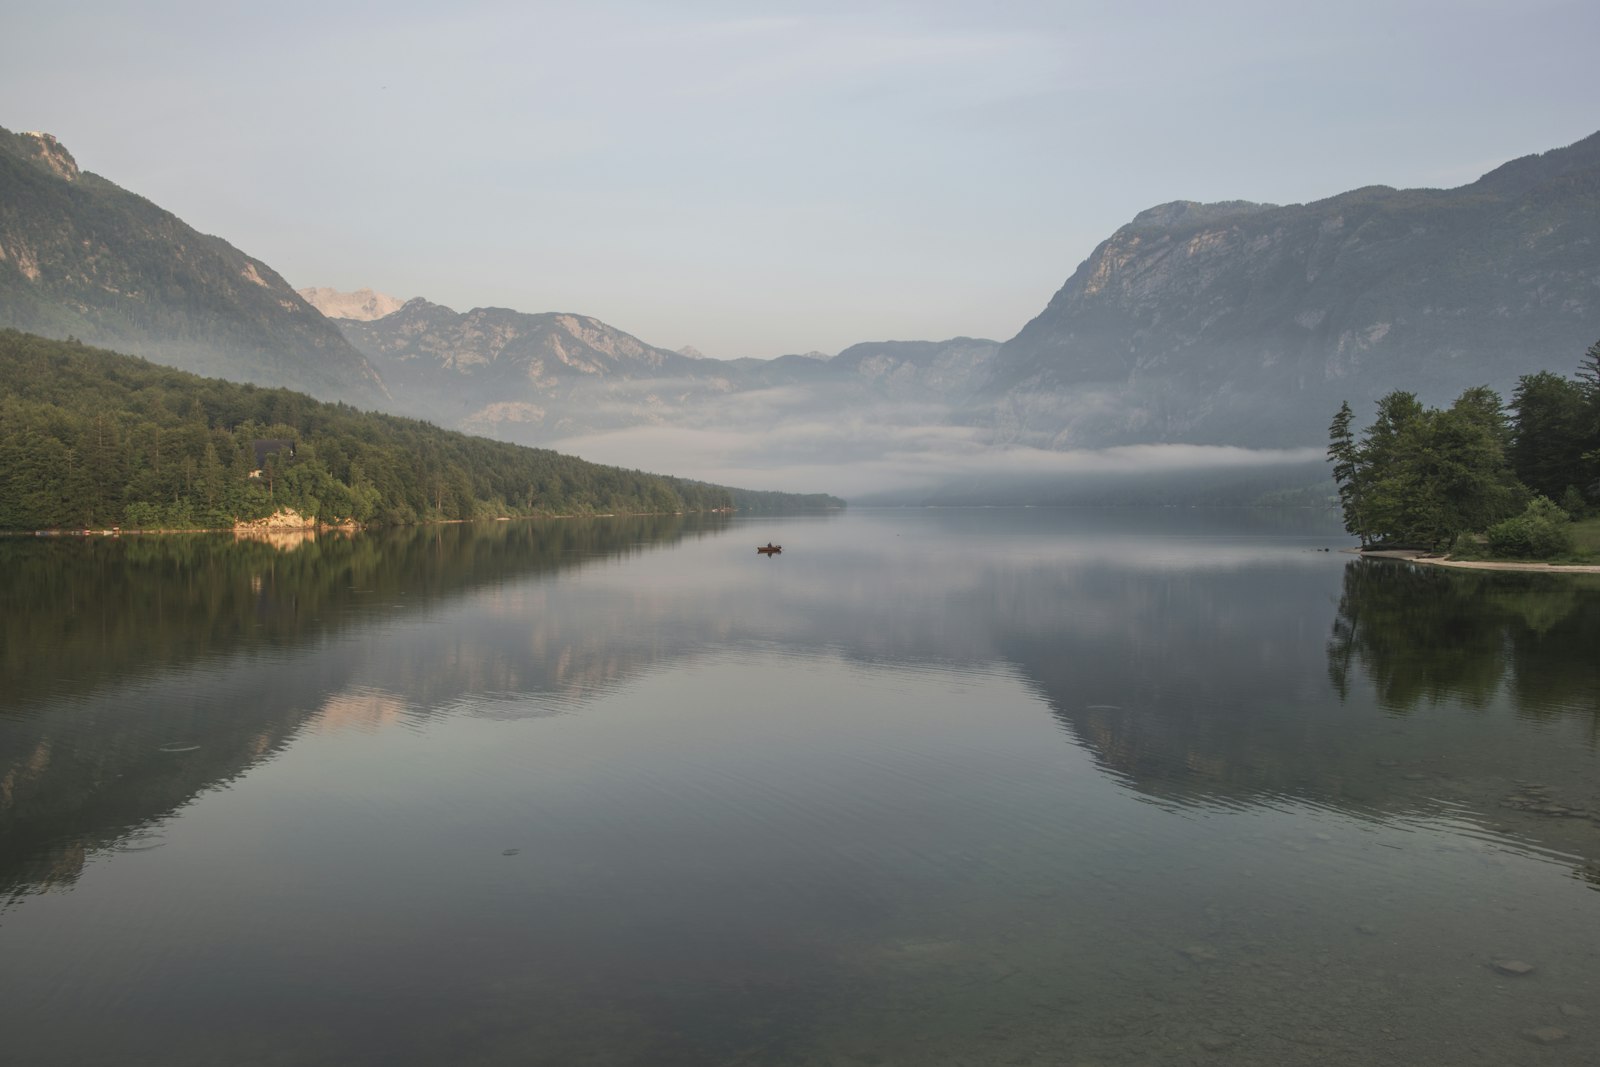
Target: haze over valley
<point>1214,337</point>
<point>836,534</point>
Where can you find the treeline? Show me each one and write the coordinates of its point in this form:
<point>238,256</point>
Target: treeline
<point>94,439</point>
<point>1424,476</point>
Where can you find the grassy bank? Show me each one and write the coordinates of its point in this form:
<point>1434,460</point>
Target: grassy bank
<point>1585,548</point>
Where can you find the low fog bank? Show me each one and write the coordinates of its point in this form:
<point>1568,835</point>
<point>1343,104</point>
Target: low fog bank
<point>877,462</point>
<point>1287,484</point>
<point>893,439</point>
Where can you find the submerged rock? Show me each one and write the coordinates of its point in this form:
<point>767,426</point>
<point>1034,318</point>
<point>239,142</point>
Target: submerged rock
<point>1546,1035</point>
<point>1513,968</point>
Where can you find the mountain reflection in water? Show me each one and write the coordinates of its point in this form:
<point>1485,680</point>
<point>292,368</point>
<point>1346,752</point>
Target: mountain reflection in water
<point>936,786</point>
<point>113,647</point>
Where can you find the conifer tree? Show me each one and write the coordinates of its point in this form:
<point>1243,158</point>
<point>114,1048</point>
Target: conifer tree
<point>1346,460</point>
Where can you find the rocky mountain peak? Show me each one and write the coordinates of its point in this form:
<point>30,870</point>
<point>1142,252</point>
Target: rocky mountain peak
<point>53,154</point>
<point>1247,323</point>
<point>363,305</point>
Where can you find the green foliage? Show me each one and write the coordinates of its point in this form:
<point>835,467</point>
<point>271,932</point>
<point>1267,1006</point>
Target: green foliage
<point>1573,503</point>
<point>90,438</point>
<point>1346,460</point>
<point>1589,373</point>
<point>1423,476</point>
<point>1542,531</point>
<point>1552,428</point>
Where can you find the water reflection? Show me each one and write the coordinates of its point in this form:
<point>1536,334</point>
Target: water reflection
<point>85,611</point>
<point>930,787</point>
<point>139,672</point>
<point>1187,654</point>
<point>1425,636</point>
<point>286,540</point>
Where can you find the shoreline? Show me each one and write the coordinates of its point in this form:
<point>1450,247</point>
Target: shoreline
<point>1417,555</point>
<point>246,529</point>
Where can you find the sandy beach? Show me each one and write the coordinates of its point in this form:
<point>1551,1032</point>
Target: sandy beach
<point>1417,555</point>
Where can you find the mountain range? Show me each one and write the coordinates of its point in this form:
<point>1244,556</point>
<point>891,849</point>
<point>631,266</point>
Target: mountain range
<point>1246,323</point>
<point>1227,323</point>
<point>536,378</point>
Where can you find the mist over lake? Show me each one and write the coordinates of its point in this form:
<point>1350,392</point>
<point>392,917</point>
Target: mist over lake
<point>931,786</point>
<point>954,534</point>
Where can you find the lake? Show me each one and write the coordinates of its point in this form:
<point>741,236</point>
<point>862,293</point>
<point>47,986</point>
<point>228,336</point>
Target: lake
<point>986,786</point>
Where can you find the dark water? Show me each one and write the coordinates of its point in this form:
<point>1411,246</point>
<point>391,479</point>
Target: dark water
<point>931,787</point>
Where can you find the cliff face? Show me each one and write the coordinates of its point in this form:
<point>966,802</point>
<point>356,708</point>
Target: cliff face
<point>80,256</point>
<point>1247,323</point>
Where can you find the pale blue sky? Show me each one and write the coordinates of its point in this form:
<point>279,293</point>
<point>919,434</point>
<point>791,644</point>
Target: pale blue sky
<point>752,178</point>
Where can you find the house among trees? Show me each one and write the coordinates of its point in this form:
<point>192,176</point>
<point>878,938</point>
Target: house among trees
<point>269,447</point>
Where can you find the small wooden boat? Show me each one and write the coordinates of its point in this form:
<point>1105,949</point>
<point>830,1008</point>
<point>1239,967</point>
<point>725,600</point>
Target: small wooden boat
<point>769,549</point>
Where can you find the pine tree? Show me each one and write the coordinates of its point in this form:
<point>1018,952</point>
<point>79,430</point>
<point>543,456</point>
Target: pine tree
<point>1548,433</point>
<point>1589,374</point>
<point>1346,459</point>
<point>1588,463</point>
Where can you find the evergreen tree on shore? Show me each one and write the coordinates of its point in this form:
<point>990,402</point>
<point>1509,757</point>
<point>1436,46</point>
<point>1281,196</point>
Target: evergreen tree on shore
<point>1346,460</point>
<point>1423,476</point>
<point>1550,420</point>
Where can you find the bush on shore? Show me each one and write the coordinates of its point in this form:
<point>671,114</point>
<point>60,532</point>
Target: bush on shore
<point>1542,531</point>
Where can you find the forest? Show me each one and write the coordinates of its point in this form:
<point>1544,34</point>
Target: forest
<point>91,439</point>
<point>1518,474</point>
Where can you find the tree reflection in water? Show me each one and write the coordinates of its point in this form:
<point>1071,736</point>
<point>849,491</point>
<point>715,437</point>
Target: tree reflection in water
<point>1427,635</point>
<point>139,672</point>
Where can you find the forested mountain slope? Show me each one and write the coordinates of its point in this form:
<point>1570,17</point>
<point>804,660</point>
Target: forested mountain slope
<point>81,257</point>
<point>90,438</point>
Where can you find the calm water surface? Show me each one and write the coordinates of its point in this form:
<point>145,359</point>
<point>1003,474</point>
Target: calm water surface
<point>931,787</point>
